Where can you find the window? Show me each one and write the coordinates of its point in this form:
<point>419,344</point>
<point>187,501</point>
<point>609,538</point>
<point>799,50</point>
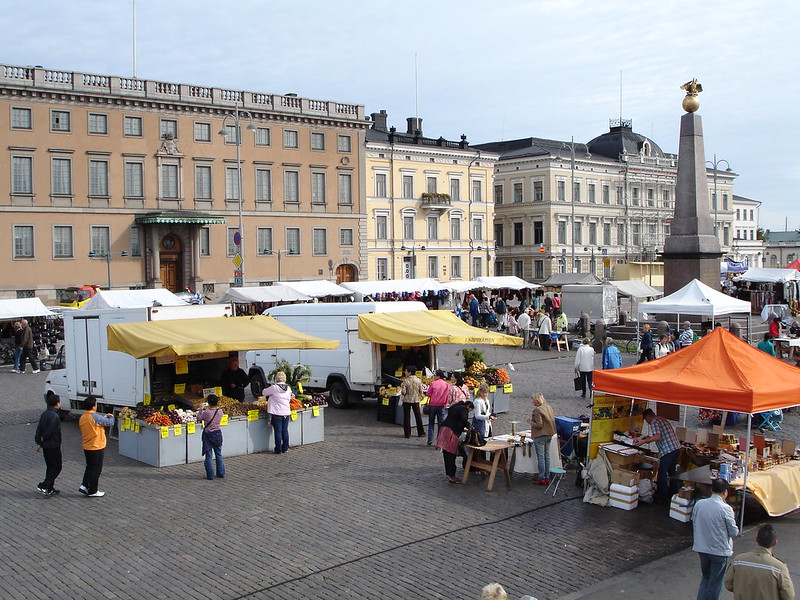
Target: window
<point>22,171</point>
<point>590,193</point>
<point>455,189</point>
<point>232,249</point>
<point>98,178</point>
<point>606,234</point>
<point>318,188</point>
<point>231,133</point>
<point>317,141</point>
<point>263,185</point>
<point>751,215</point>
<point>380,185</point>
<point>737,214</point>
<point>576,191</point>
<point>724,200</point>
<point>346,237</point>
<point>343,143</point>
<point>208,289</point>
<point>382,269</point>
<point>205,241</point>
<point>538,269</point>
<point>293,240</point>
<point>562,232</point>
<point>345,188</point>
<point>635,196</point>
<point>477,266</point>
<point>61,177</point>
<point>262,136</point>
<point>59,120</point>
<point>202,132</point>
<point>290,139</point>
<point>477,191</point>
<point>455,267</point>
<point>576,265</point>
<point>593,234</point>
<point>21,118</point>
<point>408,186</point>
<point>636,234</point>
<point>538,232</point>
<point>98,123</point>
<point>320,241</point>
<point>538,191</point>
<point>168,127</point>
<point>577,232</point>
<point>498,234</point>
<point>561,191</point>
<point>621,234</point>
<point>606,194</point>
<point>498,268</point>
<point>518,270</point>
<point>133,126</point>
<point>408,228</point>
<point>291,182</point>
<point>518,192</point>
<point>100,242</point>
<point>477,228</point>
<point>134,179</point>
<point>136,240</point>
<point>518,234</point>
<point>264,235</point>
<point>455,228</point>
<point>381,227</point>
<point>202,182</point>
<point>232,183</point>
<point>433,267</point>
<point>726,236</point>
<point>431,184</point>
<point>651,197</point>
<point>433,228</point>
<point>620,195</point>
<point>62,241</point>
<point>498,194</point>
<point>169,181</point>
<point>23,241</point>
<point>667,199</point>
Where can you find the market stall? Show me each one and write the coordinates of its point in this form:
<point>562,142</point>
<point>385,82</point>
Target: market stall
<point>426,290</point>
<point>318,288</point>
<point>771,286</point>
<point>45,325</point>
<point>720,372</point>
<point>132,299</point>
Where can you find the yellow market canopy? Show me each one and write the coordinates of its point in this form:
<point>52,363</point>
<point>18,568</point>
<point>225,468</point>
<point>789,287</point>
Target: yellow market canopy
<point>184,337</point>
<point>426,327</point>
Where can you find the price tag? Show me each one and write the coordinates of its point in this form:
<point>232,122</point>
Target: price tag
<point>418,373</point>
<point>164,432</point>
<point>218,391</point>
<point>171,407</point>
<point>252,415</point>
<point>315,411</point>
<point>223,420</point>
<point>147,399</point>
<point>124,426</point>
<point>179,388</point>
<point>136,427</point>
<point>300,387</point>
<point>129,423</point>
<point>492,388</point>
<point>294,415</point>
<point>508,388</point>
<point>190,427</point>
<point>398,373</point>
<point>385,401</point>
<point>475,391</point>
<point>177,429</point>
<point>181,365</point>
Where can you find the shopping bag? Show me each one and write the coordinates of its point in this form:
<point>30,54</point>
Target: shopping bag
<point>577,383</point>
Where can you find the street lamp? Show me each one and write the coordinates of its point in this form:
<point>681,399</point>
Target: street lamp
<point>715,165</point>
<point>235,118</point>
<point>488,256</point>
<point>107,256</point>
<point>279,254</point>
<point>413,250</point>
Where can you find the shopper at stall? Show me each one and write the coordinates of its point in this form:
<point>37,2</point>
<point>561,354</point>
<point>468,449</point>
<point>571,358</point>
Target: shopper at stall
<point>474,310</point>
<point>758,574</point>
<point>410,395</point>
<point>48,441</point>
<point>501,309</point>
<point>543,428</point>
<point>17,345</point>
<point>234,380</point>
<point>278,396</point>
<point>669,448</point>
<point>584,366</point>
<point>447,441</point>
<point>437,391</point>
<point>482,416</point>
<point>646,344</point>
<point>458,391</point>
<point>92,426</point>
<point>562,324</point>
<point>612,357</point>
<point>714,525</point>
<point>766,345</point>
<point>545,328</point>
<point>686,337</point>
<point>211,417</point>
<point>775,327</point>
<point>28,352</point>
<point>524,324</point>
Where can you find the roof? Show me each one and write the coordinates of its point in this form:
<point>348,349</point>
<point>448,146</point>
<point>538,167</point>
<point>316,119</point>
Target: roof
<point>393,286</point>
<point>267,293</point>
<point>19,308</point>
<point>770,275</point>
<point>561,279</point>
<point>741,199</point>
<point>319,288</point>
<point>635,288</point>
<point>696,298</point>
<point>132,299</point>
<point>719,372</point>
<point>530,146</point>
<point>510,282</point>
<point>781,236</point>
<point>179,217</point>
<point>621,139</point>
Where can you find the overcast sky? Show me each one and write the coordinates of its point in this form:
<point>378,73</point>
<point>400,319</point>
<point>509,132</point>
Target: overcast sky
<point>490,70</point>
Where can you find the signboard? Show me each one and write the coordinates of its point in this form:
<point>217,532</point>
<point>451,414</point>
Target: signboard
<point>238,282</point>
<point>237,261</point>
<point>237,239</point>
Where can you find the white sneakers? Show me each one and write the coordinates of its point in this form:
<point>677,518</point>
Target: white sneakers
<point>36,371</point>
<point>83,490</point>
<point>97,494</point>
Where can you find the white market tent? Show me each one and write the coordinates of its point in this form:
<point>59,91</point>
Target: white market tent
<point>132,299</point>
<point>462,286</point>
<point>19,308</point>
<point>319,288</point>
<point>770,275</point>
<point>266,293</point>
<point>635,288</point>
<point>389,286</point>
<point>510,282</point>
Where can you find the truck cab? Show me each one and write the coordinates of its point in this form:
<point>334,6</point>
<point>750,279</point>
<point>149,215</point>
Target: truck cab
<point>75,297</point>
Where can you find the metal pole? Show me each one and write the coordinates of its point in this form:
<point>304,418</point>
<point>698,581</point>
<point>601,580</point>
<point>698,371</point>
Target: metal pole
<point>279,266</point>
<point>108,268</point>
<point>746,471</point>
<point>716,198</point>
<point>240,191</point>
<point>572,195</point>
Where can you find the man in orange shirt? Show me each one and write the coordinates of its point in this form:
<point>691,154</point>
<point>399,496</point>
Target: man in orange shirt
<point>94,443</point>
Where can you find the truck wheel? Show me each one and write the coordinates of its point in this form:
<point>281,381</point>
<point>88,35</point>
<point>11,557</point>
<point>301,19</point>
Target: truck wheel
<point>257,384</point>
<point>339,395</point>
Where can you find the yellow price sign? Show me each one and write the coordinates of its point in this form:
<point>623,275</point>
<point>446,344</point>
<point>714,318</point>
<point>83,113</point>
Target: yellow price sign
<point>190,427</point>
<point>171,407</point>
<point>492,388</point>
<point>508,388</point>
<point>294,415</point>
<point>177,429</point>
<point>164,431</point>
<point>124,425</point>
<point>384,401</point>
<point>398,373</point>
<point>418,373</point>
<point>252,415</point>
<point>475,391</point>
<point>223,420</point>
<point>179,388</point>
<point>315,411</point>
<point>136,427</point>
<point>147,399</point>
<point>218,391</point>
<point>181,365</point>
<point>299,387</point>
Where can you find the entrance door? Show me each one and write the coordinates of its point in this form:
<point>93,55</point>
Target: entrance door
<point>171,258</point>
<point>345,273</point>
<point>170,277</point>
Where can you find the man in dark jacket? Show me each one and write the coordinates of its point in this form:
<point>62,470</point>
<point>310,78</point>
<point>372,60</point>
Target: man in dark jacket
<point>48,440</point>
<point>28,352</point>
<point>234,381</point>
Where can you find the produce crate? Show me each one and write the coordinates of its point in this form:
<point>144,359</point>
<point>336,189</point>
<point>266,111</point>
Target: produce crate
<point>313,427</point>
<point>386,413</point>
<point>259,435</point>
<point>157,451</point>
<point>398,416</point>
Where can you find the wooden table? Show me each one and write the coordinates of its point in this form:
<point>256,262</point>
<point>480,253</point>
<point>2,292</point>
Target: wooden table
<point>498,460</point>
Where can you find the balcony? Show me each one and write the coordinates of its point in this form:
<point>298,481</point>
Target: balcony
<point>436,202</point>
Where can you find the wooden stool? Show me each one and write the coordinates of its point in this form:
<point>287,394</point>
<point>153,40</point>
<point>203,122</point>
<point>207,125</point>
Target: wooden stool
<point>499,460</point>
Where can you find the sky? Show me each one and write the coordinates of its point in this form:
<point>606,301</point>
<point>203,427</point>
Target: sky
<point>490,70</point>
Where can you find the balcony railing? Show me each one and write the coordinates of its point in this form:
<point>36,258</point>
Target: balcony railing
<point>435,199</point>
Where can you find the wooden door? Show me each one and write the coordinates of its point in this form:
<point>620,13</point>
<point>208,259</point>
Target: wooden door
<point>170,276</point>
<point>345,273</point>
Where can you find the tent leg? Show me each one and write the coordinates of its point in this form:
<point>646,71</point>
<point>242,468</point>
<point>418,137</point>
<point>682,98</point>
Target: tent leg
<point>746,470</point>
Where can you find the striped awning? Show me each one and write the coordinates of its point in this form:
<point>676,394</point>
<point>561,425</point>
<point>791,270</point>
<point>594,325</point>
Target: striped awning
<point>180,217</point>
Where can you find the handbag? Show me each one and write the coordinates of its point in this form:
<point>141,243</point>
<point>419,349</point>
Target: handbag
<point>473,438</point>
<point>577,383</point>
<point>426,409</point>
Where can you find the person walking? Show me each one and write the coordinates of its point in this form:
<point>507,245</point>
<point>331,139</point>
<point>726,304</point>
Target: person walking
<point>211,417</point>
<point>669,448</point>
<point>612,357</point>
<point>543,428</point>
<point>92,426</point>
<point>501,309</point>
<point>482,415</point>
<point>279,397</point>
<point>17,345</point>
<point>48,441</point>
<point>410,395</point>
<point>437,391</point>
<point>646,344</point>
<point>584,366</point>
<point>544,329</point>
<point>448,439</point>
<point>28,352</point>
<point>714,525</point>
<point>758,574</point>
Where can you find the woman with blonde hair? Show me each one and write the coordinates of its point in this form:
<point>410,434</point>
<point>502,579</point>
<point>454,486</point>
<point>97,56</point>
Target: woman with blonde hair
<point>279,395</point>
<point>543,428</point>
<point>482,415</point>
<point>493,591</point>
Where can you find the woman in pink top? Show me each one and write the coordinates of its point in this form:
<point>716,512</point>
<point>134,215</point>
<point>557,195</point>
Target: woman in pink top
<point>458,391</point>
<point>279,395</point>
<point>438,390</point>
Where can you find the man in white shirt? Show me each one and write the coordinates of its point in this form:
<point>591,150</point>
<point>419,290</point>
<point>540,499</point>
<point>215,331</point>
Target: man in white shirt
<point>714,526</point>
<point>584,366</point>
<point>524,324</point>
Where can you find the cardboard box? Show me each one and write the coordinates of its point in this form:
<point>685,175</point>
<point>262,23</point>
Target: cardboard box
<point>621,457</point>
<point>624,505</point>
<point>680,509</point>
<point>686,492</point>
<point>681,503</point>
<point>624,477</point>
<point>680,516</point>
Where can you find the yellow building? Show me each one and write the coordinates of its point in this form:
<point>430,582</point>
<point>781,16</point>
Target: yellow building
<point>136,173</point>
<point>429,213</point>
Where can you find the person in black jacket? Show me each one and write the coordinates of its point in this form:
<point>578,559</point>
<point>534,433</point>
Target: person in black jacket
<point>48,440</point>
<point>447,441</point>
<point>234,381</point>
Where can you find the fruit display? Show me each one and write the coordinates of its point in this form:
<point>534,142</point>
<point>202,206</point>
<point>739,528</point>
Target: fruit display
<point>240,409</point>
<point>179,416</point>
<point>496,376</point>
<point>389,390</point>
<point>159,419</point>
<point>471,382</point>
<point>476,368</point>
<point>295,404</point>
<point>472,355</point>
<point>127,413</point>
<point>143,412</point>
<point>317,400</point>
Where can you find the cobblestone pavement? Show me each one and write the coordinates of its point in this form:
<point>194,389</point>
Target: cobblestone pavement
<point>365,514</point>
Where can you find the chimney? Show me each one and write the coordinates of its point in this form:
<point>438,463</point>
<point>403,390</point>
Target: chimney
<point>414,126</point>
<point>379,120</point>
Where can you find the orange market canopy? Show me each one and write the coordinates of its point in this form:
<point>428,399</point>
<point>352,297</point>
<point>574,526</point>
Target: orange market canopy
<point>425,328</point>
<point>184,337</point>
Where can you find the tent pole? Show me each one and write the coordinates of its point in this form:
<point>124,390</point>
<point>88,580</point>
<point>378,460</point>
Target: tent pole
<point>746,470</point>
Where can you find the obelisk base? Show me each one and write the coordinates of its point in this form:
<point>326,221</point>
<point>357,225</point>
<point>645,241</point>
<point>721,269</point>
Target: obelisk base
<point>681,269</point>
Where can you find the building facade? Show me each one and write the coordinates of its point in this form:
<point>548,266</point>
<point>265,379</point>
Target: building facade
<point>429,213</point>
<point>746,243</point>
<point>599,206</point>
<point>781,248</point>
<point>143,176</point>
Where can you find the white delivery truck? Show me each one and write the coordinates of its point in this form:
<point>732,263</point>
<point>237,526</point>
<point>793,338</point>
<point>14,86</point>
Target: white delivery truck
<point>84,365</point>
<point>354,370</point>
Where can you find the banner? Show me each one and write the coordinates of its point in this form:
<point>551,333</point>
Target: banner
<point>737,266</point>
<point>613,413</point>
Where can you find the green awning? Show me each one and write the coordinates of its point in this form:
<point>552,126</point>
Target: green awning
<point>172,217</point>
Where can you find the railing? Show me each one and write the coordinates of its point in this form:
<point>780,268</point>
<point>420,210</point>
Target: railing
<point>435,199</point>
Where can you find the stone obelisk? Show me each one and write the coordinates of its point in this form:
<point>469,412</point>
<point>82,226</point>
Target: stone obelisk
<point>692,249</point>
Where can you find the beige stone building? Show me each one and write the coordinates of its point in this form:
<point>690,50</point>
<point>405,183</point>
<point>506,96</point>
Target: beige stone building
<point>136,173</point>
<point>429,213</point>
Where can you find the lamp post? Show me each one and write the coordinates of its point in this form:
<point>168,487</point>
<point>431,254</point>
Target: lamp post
<point>714,165</point>
<point>279,254</point>
<point>488,257</point>
<point>413,250</point>
<point>236,118</point>
<point>107,256</point>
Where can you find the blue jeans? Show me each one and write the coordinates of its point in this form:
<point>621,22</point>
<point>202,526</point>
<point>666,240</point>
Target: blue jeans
<point>280,426</point>
<point>436,414</point>
<point>17,355</point>
<point>713,569</point>
<point>542,445</point>
<point>207,461</point>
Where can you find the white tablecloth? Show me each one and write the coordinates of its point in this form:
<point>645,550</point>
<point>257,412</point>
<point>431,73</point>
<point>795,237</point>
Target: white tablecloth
<point>529,463</point>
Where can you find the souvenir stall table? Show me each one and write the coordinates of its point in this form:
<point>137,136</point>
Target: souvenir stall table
<point>772,286</point>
